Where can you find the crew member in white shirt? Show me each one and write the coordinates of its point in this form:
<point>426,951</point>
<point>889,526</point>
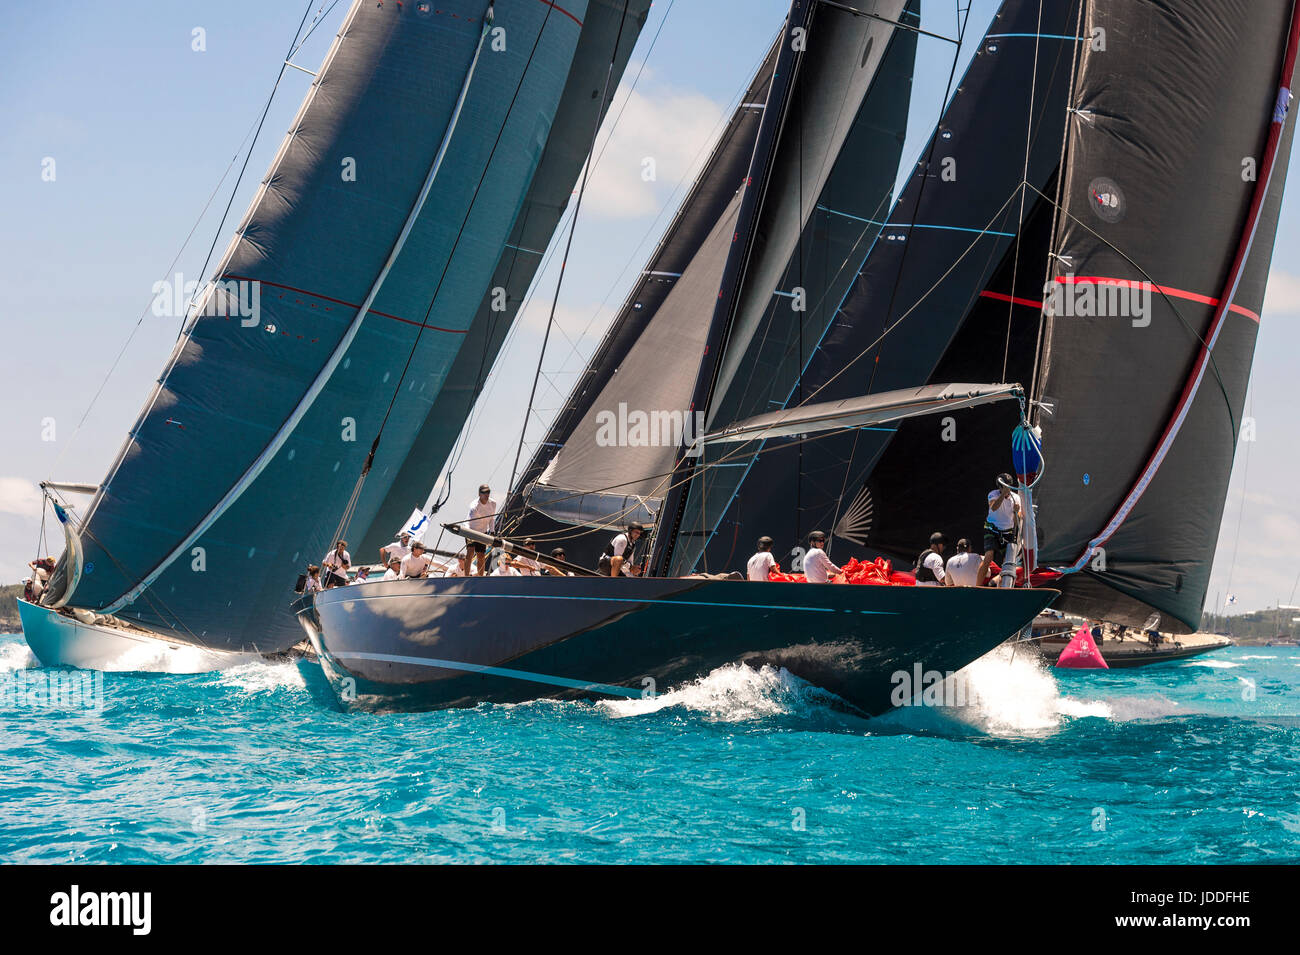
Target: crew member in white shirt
<point>394,570</point>
<point>618,560</point>
<point>526,566</point>
<point>482,518</point>
<point>335,565</point>
<point>505,567</point>
<point>762,564</point>
<point>929,566</point>
<point>1000,524</point>
<point>817,567</point>
<point>416,563</point>
<point>963,566</point>
<point>398,548</point>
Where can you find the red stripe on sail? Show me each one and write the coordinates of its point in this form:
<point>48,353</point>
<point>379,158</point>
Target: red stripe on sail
<point>1027,302</point>
<point>1168,290</point>
<point>339,301</point>
<point>556,6</point>
<point>1280,111</point>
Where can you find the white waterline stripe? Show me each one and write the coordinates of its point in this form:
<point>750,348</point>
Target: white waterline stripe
<point>497,671</point>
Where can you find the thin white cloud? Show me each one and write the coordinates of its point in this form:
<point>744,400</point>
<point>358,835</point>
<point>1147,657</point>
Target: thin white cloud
<point>19,496</point>
<point>1283,295</point>
<point>661,138</point>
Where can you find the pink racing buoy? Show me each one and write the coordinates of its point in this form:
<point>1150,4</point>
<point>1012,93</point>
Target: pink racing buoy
<point>1082,653</point>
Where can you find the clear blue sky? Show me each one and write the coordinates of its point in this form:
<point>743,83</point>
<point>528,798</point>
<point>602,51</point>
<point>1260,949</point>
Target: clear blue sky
<point>141,127</point>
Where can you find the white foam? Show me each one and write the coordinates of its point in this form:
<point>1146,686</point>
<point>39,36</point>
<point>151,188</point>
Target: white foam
<point>1256,657</point>
<point>158,657</point>
<point>1212,664</point>
<point>1007,692</point>
<point>264,677</point>
<point>14,655</point>
<point>732,694</point>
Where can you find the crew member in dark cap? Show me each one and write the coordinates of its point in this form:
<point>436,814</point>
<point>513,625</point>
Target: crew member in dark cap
<point>963,566</point>
<point>929,565</point>
<point>482,518</point>
<point>558,554</point>
<point>619,558</point>
<point>762,564</point>
<point>817,567</point>
<point>1000,525</point>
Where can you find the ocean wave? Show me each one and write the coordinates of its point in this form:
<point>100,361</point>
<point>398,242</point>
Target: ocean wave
<point>263,677</point>
<point>733,694</point>
<point>1007,692</point>
<point>15,655</point>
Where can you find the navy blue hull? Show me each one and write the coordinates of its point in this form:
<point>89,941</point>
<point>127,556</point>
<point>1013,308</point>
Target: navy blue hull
<point>426,644</point>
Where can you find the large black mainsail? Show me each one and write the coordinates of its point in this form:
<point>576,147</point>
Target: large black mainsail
<point>831,153</point>
<point>1178,142</point>
<point>940,262</point>
<point>370,285</point>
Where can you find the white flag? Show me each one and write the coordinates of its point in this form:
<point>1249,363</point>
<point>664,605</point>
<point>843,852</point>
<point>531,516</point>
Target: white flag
<point>416,525</point>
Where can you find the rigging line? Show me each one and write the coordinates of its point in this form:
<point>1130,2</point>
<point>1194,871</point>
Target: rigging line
<point>550,251</point>
<point>714,140</point>
<point>284,65</point>
<point>1241,510</point>
<point>768,320</point>
<point>316,21</point>
<point>324,374</point>
<point>917,304</point>
<point>1029,139</point>
<point>568,246</point>
<point>875,16</point>
<point>1214,365</point>
<point>925,179</point>
<point>469,208</point>
<point>1042,342</point>
<point>67,445</point>
<point>165,611</point>
<point>663,476</point>
<point>573,346</point>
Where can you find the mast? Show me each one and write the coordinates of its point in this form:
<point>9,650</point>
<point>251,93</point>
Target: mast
<point>778,101</point>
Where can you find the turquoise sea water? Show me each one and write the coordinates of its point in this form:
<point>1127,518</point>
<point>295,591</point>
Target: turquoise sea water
<point>1190,762</point>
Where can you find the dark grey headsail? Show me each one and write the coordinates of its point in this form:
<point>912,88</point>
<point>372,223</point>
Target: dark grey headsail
<point>1179,140</point>
<point>834,158</point>
<point>587,502</point>
<point>248,450</point>
<point>923,279</point>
